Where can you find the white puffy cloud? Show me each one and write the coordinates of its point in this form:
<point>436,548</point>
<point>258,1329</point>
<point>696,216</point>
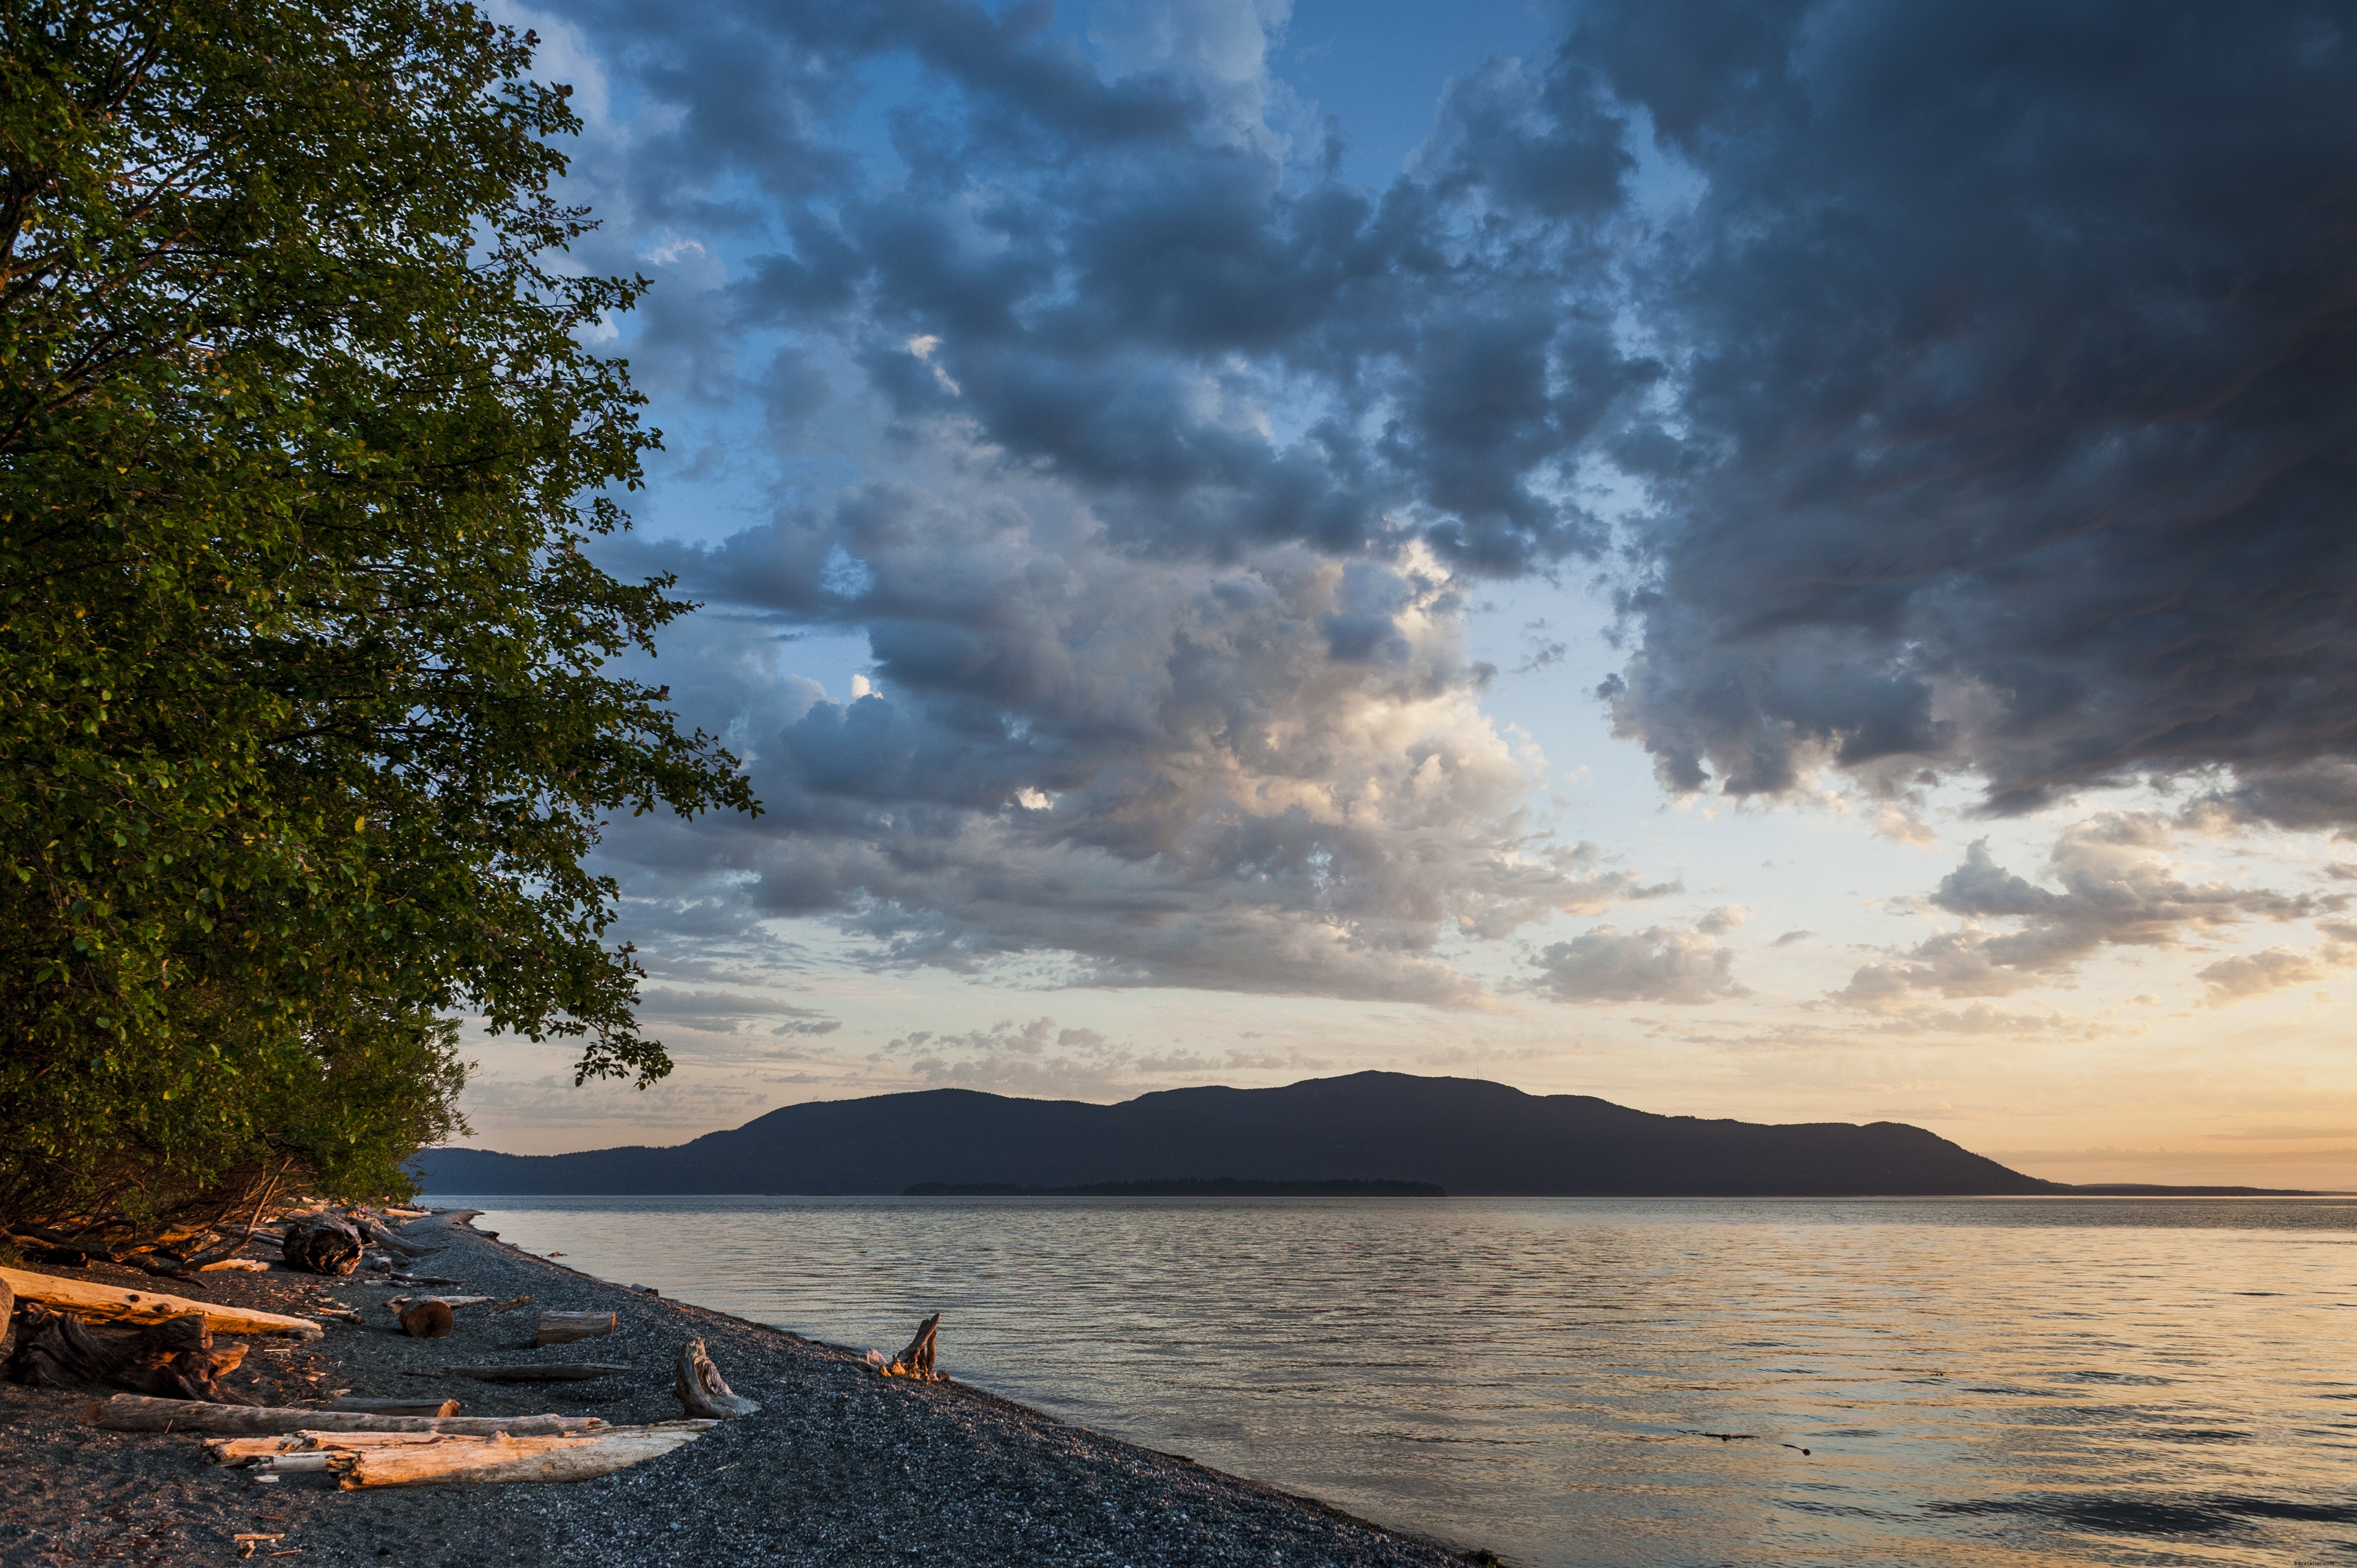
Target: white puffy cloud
<point>2237,978</point>
<point>1660,963</point>
<point>2117,885</point>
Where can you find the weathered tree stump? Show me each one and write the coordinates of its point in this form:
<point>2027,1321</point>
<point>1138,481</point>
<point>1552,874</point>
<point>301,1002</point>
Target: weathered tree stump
<point>176,1358</point>
<point>704,1393</point>
<point>428,1317</point>
<point>917,1360</point>
<point>564,1327</point>
<point>321,1244</point>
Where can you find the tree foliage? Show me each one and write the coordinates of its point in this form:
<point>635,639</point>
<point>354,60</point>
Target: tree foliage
<point>307,721</point>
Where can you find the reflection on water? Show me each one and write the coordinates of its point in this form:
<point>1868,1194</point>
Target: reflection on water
<point>1610,1381</point>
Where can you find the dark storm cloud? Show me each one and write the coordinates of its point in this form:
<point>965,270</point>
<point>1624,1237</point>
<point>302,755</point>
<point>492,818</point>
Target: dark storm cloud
<point>1984,370</point>
<point>1114,273</point>
<point>2020,348</point>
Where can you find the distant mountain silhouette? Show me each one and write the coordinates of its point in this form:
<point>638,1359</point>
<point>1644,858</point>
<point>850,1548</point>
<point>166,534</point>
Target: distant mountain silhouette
<point>1470,1137</point>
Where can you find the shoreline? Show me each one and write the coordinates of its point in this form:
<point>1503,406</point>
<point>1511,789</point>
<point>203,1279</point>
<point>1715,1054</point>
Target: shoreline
<point>839,1465</point>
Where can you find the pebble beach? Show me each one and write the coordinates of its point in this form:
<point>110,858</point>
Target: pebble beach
<point>839,1465</point>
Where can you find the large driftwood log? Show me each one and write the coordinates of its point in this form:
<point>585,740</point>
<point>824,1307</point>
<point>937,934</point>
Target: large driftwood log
<point>396,1407</point>
<point>428,1317</point>
<point>702,1392</point>
<point>129,1412</point>
<point>176,1358</point>
<point>917,1360</point>
<point>385,1238</point>
<point>322,1244</point>
<point>564,1327</point>
<point>549,1373</point>
<point>7,1319</point>
<point>112,1304</point>
<point>382,1459</point>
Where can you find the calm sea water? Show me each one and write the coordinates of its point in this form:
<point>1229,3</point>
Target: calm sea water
<point>2000,1381</point>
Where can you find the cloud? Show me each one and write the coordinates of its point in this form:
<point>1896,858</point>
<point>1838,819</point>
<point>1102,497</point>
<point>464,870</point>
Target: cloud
<point>1980,373</point>
<point>1657,964</point>
<point>1150,463</point>
<point>720,1012</point>
<point>2237,978</point>
<point>1044,1058</point>
<point>1272,775</point>
<point>2020,371</point>
<point>2117,888</point>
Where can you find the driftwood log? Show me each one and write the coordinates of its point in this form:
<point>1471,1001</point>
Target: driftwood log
<point>389,1459</point>
<point>428,1317</point>
<point>112,1304</point>
<point>917,1360</point>
<point>702,1392</point>
<point>549,1373</point>
<point>321,1244</point>
<point>176,1358</point>
<point>438,1408</point>
<point>129,1412</point>
<point>564,1327</point>
<point>399,1246</point>
<point>7,1319</point>
<point>453,1302</point>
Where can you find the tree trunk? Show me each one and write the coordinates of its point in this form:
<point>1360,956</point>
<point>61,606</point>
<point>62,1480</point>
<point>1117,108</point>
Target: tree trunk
<point>175,1359</point>
<point>564,1327</point>
<point>702,1391</point>
<point>7,1320</point>
<point>127,1412</point>
<point>110,1303</point>
<point>322,1244</point>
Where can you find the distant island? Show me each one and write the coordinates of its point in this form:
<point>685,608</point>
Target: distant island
<point>1468,1137</point>
<point>1182,1186</point>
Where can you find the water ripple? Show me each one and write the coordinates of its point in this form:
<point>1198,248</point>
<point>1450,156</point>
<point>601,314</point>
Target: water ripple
<point>1984,1382</point>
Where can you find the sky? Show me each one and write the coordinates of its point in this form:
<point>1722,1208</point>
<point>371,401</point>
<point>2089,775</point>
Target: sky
<point>1785,561</point>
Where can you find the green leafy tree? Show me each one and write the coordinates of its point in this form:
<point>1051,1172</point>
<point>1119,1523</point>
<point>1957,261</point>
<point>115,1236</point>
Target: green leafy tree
<point>307,721</point>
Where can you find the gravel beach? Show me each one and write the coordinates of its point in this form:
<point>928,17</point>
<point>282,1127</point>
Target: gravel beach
<point>839,1466</point>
